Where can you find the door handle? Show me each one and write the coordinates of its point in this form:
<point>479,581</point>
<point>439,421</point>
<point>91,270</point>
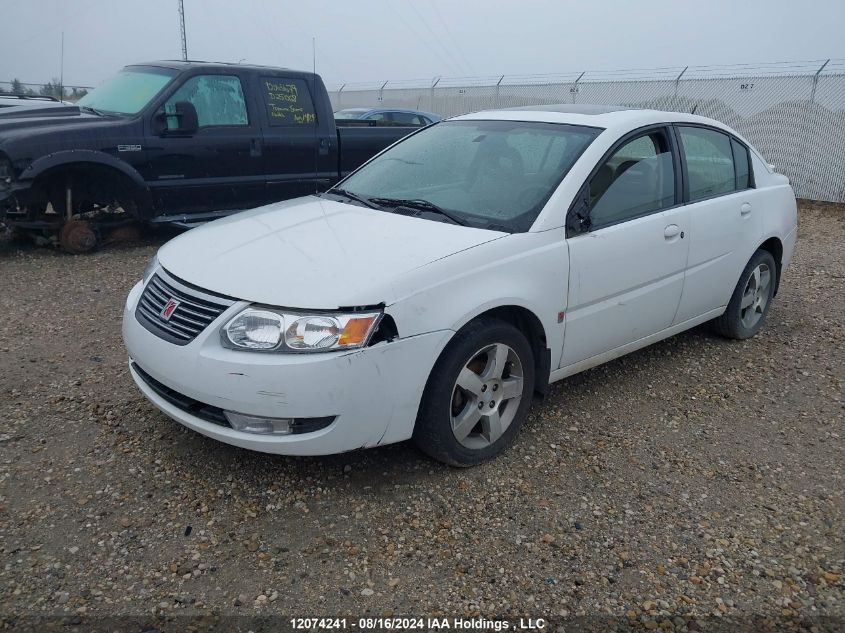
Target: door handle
<point>745,209</point>
<point>254,147</point>
<point>325,146</point>
<point>671,232</point>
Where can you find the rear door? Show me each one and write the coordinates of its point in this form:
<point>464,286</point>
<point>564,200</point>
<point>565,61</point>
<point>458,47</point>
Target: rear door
<point>219,166</point>
<point>294,144</point>
<point>725,226</point>
<point>627,270</point>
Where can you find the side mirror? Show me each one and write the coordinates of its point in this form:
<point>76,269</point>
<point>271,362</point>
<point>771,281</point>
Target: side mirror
<point>179,119</point>
<point>578,217</point>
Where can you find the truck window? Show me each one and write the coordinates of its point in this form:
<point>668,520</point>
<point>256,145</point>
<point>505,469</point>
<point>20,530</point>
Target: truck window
<point>219,100</point>
<point>288,102</point>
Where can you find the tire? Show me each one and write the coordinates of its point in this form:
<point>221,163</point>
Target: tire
<point>489,413</point>
<point>757,286</point>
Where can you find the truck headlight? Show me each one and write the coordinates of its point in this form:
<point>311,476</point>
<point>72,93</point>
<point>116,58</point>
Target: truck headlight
<point>265,329</point>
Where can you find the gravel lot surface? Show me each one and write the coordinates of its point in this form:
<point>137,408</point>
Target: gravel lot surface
<point>697,478</point>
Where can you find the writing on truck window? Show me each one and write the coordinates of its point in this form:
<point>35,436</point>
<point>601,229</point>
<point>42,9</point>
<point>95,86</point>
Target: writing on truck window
<point>288,102</point>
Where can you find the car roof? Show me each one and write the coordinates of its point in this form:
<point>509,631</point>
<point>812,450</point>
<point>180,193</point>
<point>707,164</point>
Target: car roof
<point>619,119</point>
<point>408,110</point>
<point>176,64</point>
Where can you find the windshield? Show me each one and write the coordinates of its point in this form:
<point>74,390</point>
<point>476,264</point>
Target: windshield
<point>495,174</point>
<point>128,91</point>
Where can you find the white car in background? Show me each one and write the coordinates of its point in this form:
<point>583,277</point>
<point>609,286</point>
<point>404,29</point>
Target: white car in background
<point>440,287</point>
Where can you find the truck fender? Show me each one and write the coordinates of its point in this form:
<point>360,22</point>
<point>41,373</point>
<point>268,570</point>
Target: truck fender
<point>82,157</point>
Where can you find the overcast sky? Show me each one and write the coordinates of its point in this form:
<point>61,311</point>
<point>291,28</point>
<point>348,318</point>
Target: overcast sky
<point>375,40</point>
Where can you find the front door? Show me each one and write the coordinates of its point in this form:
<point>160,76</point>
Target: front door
<point>627,271</point>
<point>217,167</point>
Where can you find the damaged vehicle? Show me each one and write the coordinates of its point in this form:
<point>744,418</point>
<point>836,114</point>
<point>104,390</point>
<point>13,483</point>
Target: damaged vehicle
<point>172,142</point>
<point>440,288</point>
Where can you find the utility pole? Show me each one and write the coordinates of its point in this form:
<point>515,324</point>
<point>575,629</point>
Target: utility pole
<point>62,70</point>
<point>182,29</point>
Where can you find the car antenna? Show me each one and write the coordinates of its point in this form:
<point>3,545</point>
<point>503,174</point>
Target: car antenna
<point>313,91</point>
<point>693,109</point>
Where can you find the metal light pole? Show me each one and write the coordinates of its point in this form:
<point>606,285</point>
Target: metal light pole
<point>182,28</point>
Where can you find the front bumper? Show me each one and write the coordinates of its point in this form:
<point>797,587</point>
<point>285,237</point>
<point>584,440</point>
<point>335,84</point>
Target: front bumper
<point>372,393</point>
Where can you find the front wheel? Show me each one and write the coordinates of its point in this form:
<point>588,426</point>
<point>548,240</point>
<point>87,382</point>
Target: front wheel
<point>478,394</point>
<point>751,299</point>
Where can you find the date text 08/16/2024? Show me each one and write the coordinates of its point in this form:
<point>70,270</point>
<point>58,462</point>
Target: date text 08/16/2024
<point>420,624</point>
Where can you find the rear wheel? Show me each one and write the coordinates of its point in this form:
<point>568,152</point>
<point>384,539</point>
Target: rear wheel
<point>478,394</point>
<point>751,299</point>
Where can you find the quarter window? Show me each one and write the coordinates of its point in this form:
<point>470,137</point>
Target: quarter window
<point>638,179</point>
<point>218,99</point>
<point>742,162</point>
<point>710,163</point>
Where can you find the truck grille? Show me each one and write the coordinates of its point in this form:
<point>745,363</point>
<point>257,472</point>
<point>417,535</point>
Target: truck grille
<point>193,312</point>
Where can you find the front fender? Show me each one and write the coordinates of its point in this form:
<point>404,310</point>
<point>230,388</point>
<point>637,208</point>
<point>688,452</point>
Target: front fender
<point>79,156</point>
<point>528,270</point>
<point>22,187</point>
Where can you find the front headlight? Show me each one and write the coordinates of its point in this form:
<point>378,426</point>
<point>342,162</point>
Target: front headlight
<point>265,329</point>
<point>151,267</point>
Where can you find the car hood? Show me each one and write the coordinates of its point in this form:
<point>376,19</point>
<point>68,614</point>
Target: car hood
<point>38,109</point>
<point>42,120</point>
<point>313,253</point>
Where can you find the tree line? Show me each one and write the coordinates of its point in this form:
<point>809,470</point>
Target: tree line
<point>52,88</point>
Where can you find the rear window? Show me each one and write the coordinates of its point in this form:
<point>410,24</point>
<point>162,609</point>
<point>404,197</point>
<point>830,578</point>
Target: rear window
<point>288,102</point>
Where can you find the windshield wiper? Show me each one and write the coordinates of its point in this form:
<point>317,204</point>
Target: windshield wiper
<point>91,110</point>
<point>420,205</point>
<point>354,196</point>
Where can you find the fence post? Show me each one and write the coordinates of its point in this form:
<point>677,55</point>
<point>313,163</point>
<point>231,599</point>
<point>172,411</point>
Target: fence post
<point>431,96</point>
<point>816,81</point>
<point>574,89</point>
<point>678,79</point>
<point>339,91</point>
<point>677,82</point>
<point>498,83</point>
<point>802,190</point>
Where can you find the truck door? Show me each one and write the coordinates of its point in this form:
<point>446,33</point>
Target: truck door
<point>218,166</point>
<point>295,145</point>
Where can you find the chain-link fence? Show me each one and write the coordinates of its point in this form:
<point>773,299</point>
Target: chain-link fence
<point>793,112</point>
<point>50,89</point>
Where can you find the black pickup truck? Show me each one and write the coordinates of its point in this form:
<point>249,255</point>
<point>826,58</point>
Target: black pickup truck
<point>174,142</point>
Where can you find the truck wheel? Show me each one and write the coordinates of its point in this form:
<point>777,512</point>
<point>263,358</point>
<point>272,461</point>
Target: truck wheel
<point>77,237</point>
<point>478,394</point>
<point>751,299</point>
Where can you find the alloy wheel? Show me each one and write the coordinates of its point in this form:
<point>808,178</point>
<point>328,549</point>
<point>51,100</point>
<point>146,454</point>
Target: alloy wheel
<point>755,297</point>
<point>486,396</point>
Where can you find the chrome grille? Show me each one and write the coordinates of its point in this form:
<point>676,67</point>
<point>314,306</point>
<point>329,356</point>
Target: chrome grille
<point>195,311</point>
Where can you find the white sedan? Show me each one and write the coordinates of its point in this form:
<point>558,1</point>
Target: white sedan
<point>440,288</point>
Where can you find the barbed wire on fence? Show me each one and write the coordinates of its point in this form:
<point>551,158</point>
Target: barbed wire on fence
<point>793,112</point>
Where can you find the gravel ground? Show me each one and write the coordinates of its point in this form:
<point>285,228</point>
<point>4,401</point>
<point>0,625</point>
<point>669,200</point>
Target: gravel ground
<point>697,478</point>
